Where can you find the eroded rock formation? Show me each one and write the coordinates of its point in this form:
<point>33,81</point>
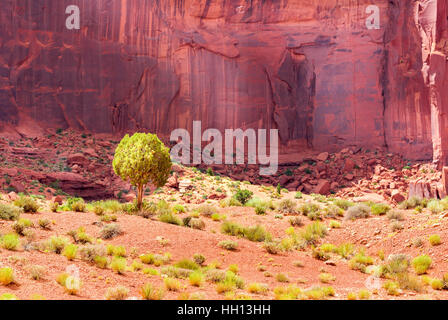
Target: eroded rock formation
<point>310,68</point>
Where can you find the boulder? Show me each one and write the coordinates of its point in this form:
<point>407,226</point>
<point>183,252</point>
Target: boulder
<point>78,159</point>
<point>397,196</point>
<point>349,165</point>
<point>323,187</point>
<point>323,156</point>
<point>18,186</point>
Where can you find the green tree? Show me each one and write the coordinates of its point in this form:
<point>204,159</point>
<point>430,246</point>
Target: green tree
<point>141,159</point>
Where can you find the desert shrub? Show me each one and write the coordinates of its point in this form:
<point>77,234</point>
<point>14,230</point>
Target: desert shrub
<point>230,202</point>
<point>118,265</point>
<point>232,228</point>
<point>218,217</point>
<point>10,241</point>
<point>295,221</point>
<point>233,268</point>
<point>54,206</point>
<point>170,218</point>
<point>334,224</point>
<point>9,212</point>
<point>318,293</point>
<point>175,272</point>
<point>260,210</point>
<point>207,210</point>
<point>101,262</point>
<point>291,292</point>
<point>44,224</point>
<point>140,159</point>
<point>309,208</point>
<point>178,208</point>
<point>287,206</point>
<point>281,277</point>
<point>90,252</point>
<point>70,251</point>
<point>108,218</point>
<point>163,207</point>
<point>78,206</point>
<point>116,251</point>
<point>37,272</point>
<point>243,196</point>
<point>61,279</point>
<point>258,202</point>
<point>421,264</point>
<point>98,210</point>
<point>199,259</point>
<point>8,296</point>
<point>215,275</point>
<point>345,250</point>
<point>352,296</point>
<point>257,288</point>
<point>155,259</point>
<point>228,245</point>
<point>413,202</point>
<point>70,283</point>
<point>149,209</point>
<point>196,278</point>
<point>358,211</point>
<point>257,234</point>
<point>409,282</point>
<point>396,264</point>
<point>332,211</point>
<point>396,226</point>
<point>314,215</point>
<point>319,254</point>
<point>379,209</point>
<point>187,264</point>
<point>326,277</point>
<point>80,236</point>
<point>435,206</point>
<point>272,247</point>
<point>136,265</point>
<point>417,242</point>
<point>395,215</point>
<point>360,261</point>
<point>313,232</point>
<point>298,195</point>
<point>328,247</point>
<point>230,282</point>
<point>112,206</point>
<point>6,276</point>
<point>343,204</point>
<point>172,284</point>
<point>117,293</point>
<point>149,292</point>
<point>20,226</point>
<point>196,224</point>
<point>28,204</point>
<point>151,271</point>
<point>110,231</point>
<point>434,240</point>
<point>364,294</point>
<point>392,288</point>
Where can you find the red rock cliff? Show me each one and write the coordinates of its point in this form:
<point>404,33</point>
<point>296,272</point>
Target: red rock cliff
<point>310,68</point>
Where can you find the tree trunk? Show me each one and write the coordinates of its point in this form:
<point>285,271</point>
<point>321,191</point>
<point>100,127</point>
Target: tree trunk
<point>139,196</point>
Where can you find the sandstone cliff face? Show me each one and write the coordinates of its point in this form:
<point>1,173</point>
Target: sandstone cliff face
<point>310,68</point>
